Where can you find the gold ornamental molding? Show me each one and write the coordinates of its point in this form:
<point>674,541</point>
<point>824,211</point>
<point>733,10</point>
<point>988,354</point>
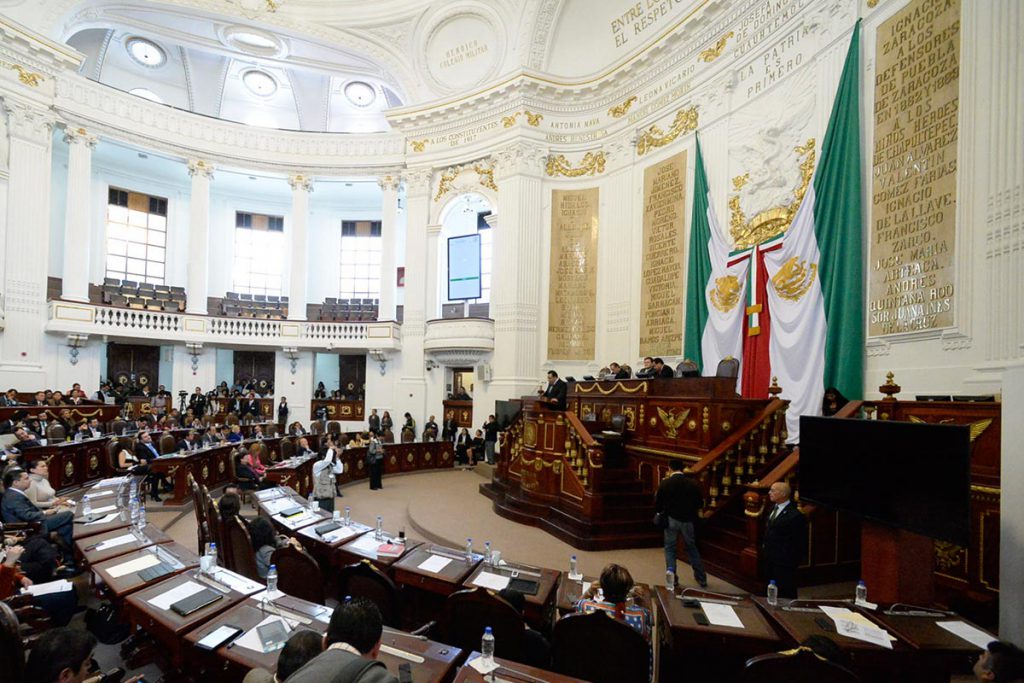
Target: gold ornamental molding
<point>444,186</point>
<point>485,176</point>
<point>30,78</point>
<point>620,110</point>
<point>418,145</point>
<point>532,119</point>
<point>591,164</point>
<point>872,4</point>
<point>715,51</point>
<point>653,137</point>
<point>618,386</point>
<point>771,222</point>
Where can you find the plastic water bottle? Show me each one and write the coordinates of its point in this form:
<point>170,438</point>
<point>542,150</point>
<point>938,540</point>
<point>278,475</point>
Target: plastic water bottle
<point>379,533</point>
<point>133,507</point>
<point>773,593</point>
<point>469,550</point>
<point>86,506</point>
<point>861,594</point>
<point>670,580</point>
<point>487,646</point>
<point>311,502</point>
<point>272,579</point>
<point>142,512</point>
<point>573,571</point>
<point>133,489</point>
<point>487,553</point>
<point>348,516</point>
<point>212,553</point>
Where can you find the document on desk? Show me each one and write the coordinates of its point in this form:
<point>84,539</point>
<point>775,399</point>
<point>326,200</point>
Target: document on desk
<point>237,582</point>
<point>860,631</point>
<point>100,494</point>
<point>131,566</point>
<point>275,505</point>
<point>250,640</point>
<point>105,519</point>
<point>165,600</point>
<point>435,563</point>
<point>112,481</point>
<point>366,544</point>
<point>495,582</point>
<point>50,587</point>
<point>298,520</point>
<point>721,615</point>
<point>268,494</point>
<point>974,636</point>
<point>115,541</point>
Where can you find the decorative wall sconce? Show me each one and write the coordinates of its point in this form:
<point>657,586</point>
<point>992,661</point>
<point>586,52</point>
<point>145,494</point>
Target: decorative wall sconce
<point>381,356</point>
<point>75,342</point>
<point>195,350</point>
<point>430,364</point>
<point>292,354</point>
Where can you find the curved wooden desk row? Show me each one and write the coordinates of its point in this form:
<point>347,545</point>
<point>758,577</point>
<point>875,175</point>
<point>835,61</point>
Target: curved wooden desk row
<point>114,554</point>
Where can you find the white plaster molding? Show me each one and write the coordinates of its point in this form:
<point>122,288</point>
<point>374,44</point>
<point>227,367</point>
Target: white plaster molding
<point>300,181</point>
<point>523,157</point>
<point>200,167</point>
<point>27,121</point>
<point>474,336</point>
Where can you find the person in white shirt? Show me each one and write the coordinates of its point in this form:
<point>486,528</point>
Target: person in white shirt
<point>325,473</point>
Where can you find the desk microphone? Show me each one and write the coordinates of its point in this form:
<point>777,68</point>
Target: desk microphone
<point>798,605</point>
<point>732,599</point>
<point>908,610</point>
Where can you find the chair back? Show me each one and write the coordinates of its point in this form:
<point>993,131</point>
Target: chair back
<point>597,647</point>
<point>199,508</point>
<point>333,427</point>
<point>618,423</point>
<point>231,419</point>
<point>363,580</point>
<point>287,448</point>
<point>271,430</point>
<point>408,436</point>
<point>213,519</point>
<point>113,450</point>
<point>799,665</point>
<point>298,574</point>
<point>388,436</point>
<point>118,426</point>
<point>240,553</point>
<point>168,444</point>
<point>728,367</point>
<point>468,612</point>
<point>12,651</point>
<point>317,427</point>
<point>55,432</point>
<point>687,368</point>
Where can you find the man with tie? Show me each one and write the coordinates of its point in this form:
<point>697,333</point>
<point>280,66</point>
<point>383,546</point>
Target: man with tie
<point>94,428</point>
<point>189,443</point>
<point>554,394</point>
<point>145,450</point>
<point>784,543</point>
<point>17,507</point>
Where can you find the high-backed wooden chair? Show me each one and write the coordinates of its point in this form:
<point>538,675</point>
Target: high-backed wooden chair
<point>597,647</point>
<point>55,433</point>
<point>728,367</point>
<point>246,485</point>
<point>240,554</point>
<point>288,444</point>
<point>408,436</point>
<point>333,427</point>
<point>388,436</point>
<point>363,580</point>
<point>168,444</point>
<point>800,665</point>
<point>298,574</point>
<point>213,519</point>
<point>466,613</point>
<point>202,523</point>
<point>118,426</point>
<point>317,427</point>
<point>113,450</point>
<point>687,368</point>
<point>231,419</point>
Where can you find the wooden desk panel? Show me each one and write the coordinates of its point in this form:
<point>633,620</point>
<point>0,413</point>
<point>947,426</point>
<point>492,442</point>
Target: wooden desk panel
<point>539,611</point>
<point>408,572</point>
<point>122,521</point>
<point>121,586</point>
<point>350,554</point>
<point>513,671</point>
<point>85,548</point>
<point>338,409</point>
<point>296,473</point>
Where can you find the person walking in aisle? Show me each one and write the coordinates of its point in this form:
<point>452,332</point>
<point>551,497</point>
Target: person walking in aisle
<point>375,461</point>
<point>679,497</point>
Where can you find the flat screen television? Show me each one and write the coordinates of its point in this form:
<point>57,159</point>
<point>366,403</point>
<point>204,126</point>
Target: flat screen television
<point>505,412</point>
<point>905,475</point>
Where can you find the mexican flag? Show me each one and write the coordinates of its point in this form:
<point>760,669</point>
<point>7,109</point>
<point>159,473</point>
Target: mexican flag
<point>804,299</point>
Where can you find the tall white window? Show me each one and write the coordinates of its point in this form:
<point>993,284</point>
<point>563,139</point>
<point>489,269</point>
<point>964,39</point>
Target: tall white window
<point>259,254</point>
<point>360,260</point>
<point>136,236</point>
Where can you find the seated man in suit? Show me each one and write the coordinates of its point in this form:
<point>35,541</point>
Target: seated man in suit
<point>95,431</point>
<point>555,393</point>
<point>430,430</point>
<point>351,645</point>
<point>16,507</point>
<point>616,370</point>
<point>11,398</point>
<point>647,370</point>
<point>662,370</point>
<point>25,439</point>
<point>189,443</point>
<point>145,450</point>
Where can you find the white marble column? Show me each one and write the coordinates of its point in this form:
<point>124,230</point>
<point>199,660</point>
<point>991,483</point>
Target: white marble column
<point>389,185</point>
<point>78,214</point>
<point>26,246</point>
<point>517,270</point>
<point>433,287</point>
<point>199,236</point>
<point>410,394</point>
<point>302,185</point>
<point>618,216</point>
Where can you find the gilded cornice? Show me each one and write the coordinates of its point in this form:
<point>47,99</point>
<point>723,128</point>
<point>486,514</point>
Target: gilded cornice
<point>684,122</point>
<point>591,164</point>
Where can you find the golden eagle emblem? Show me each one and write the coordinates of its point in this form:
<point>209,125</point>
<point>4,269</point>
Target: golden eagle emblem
<point>794,279</point>
<point>726,293</point>
<point>977,428</point>
<point>671,421</point>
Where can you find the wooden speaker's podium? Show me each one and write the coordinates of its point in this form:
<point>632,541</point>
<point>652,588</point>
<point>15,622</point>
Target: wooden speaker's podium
<point>896,565</point>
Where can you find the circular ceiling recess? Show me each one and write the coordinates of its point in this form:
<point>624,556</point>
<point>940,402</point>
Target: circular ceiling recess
<point>259,82</point>
<point>145,52</point>
<point>252,41</point>
<point>360,93</point>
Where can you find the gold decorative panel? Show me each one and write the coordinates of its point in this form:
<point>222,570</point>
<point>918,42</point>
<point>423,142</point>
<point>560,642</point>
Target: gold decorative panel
<point>572,298</point>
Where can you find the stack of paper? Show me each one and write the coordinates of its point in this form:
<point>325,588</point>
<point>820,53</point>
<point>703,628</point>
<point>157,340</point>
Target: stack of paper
<point>168,598</point>
<point>435,563</point>
<point>236,582</point>
<point>275,505</point>
<point>114,542</point>
<point>974,636</point>
<point>131,566</point>
<point>49,587</point>
<point>494,582</point>
<point>853,625</point>
<point>366,544</point>
<point>721,615</point>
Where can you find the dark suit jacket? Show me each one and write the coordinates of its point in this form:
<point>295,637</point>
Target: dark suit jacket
<point>622,374</point>
<point>251,407</point>
<point>142,451</point>
<point>329,665</point>
<point>16,507</point>
<point>785,539</point>
<point>557,391</point>
<point>680,497</point>
<point>184,445</point>
<point>665,372</point>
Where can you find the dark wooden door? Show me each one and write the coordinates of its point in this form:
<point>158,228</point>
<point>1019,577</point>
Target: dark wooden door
<point>134,364</point>
<point>352,376</point>
<point>258,364</point>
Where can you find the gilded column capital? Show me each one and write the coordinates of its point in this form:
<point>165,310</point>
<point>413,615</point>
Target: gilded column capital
<point>28,121</point>
<point>201,168</point>
<point>77,135</point>
<point>417,181</point>
<point>300,181</point>
<point>390,182</point>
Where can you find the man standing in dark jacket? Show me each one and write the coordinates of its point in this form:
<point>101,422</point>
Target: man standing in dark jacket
<point>680,498</point>
<point>784,542</point>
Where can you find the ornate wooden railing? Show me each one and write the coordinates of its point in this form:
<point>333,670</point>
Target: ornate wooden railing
<point>742,457</point>
<point>584,457</point>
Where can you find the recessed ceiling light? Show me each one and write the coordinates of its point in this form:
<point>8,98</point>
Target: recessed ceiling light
<point>252,177</point>
<point>253,40</point>
<point>259,82</point>
<point>360,93</point>
<point>143,156</point>
<point>348,184</point>
<point>146,52</point>
<point>146,94</point>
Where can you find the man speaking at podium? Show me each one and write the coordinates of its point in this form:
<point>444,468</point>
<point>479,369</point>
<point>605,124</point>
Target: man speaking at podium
<point>554,394</point>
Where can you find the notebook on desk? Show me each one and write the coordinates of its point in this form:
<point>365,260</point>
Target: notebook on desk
<point>524,586</point>
<point>155,572</point>
<point>196,601</point>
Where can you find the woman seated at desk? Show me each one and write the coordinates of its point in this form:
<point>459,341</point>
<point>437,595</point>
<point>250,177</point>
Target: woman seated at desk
<point>296,429</point>
<point>254,462</point>
<point>39,490</point>
<point>616,587</point>
<point>265,542</point>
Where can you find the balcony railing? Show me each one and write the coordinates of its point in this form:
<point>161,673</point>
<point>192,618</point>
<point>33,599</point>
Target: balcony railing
<point>67,317</point>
